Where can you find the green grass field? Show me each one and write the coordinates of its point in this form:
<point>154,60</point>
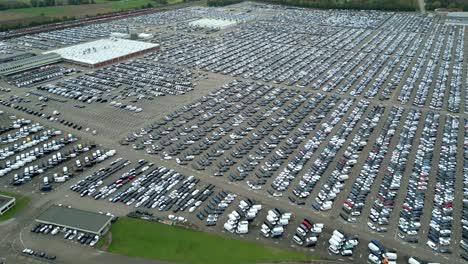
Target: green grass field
<point>139,238</point>
<point>21,202</point>
<point>26,15</point>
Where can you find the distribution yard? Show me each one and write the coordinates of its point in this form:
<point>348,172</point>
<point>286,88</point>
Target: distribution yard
<point>263,133</point>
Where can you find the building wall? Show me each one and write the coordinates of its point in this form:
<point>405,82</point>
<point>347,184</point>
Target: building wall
<point>7,207</point>
<point>18,66</point>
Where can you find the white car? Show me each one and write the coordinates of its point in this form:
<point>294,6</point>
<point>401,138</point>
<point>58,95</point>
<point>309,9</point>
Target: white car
<point>374,259</point>
<point>432,245</point>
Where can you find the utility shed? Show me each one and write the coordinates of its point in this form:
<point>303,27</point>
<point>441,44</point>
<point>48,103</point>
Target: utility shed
<point>104,51</point>
<point>72,218</point>
<point>6,202</point>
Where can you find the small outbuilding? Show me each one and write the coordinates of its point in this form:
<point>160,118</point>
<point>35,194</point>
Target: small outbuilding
<point>71,218</point>
<point>6,203</point>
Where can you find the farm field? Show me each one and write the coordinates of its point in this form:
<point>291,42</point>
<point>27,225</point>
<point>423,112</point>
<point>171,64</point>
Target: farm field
<point>39,14</point>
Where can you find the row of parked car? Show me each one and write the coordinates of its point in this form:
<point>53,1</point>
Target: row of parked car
<point>307,233</point>
<point>361,188</point>
<point>292,69</point>
<point>238,220</point>
<point>384,203</point>
<point>41,114</point>
<point>380,255</point>
<point>464,214</point>
<point>288,174</point>
<point>275,136</point>
<point>335,182</point>
<point>154,187</point>
<point>40,254</point>
<point>343,244</point>
<point>40,75</point>
<point>440,227</point>
<point>215,207</point>
<point>70,234</point>
<point>275,223</point>
<point>308,181</point>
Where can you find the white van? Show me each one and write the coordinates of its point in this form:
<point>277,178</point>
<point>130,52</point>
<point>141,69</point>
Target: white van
<point>373,248</point>
<point>414,260</point>
<point>272,219</point>
<point>229,227</point>
<point>333,249</point>
<point>374,259</point>
<point>242,229</point>
<point>278,230</point>
<point>283,221</point>
<point>343,177</point>
<point>265,232</point>
<point>298,240</point>
<point>334,242</point>
<point>338,234</point>
<point>391,255</point>
<point>326,206</point>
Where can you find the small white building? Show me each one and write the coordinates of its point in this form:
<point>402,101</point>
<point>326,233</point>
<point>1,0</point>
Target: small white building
<point>6,203</point>
<point>457,18</point>
<point>213,23</point>
<point>120,35</point>
<point>145,36</point>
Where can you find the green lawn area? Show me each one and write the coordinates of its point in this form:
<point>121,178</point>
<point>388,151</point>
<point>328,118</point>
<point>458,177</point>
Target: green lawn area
<point>24,1</point>
<point>21,202</point>
<point>139,238</point>
<point>46,11</point>
<point>25,16</point>
<point>130,4</point>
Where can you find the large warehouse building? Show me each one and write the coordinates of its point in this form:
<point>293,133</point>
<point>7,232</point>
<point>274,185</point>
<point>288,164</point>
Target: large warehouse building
<point>104,51</point>
<point>80,220</point>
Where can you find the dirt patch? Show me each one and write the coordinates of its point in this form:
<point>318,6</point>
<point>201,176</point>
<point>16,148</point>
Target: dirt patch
<point>107,240</point>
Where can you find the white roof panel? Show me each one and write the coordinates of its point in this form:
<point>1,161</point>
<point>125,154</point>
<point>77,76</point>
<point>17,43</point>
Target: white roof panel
<point>212,23</point>
<point>102,50</point>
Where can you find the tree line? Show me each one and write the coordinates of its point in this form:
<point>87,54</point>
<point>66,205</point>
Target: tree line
<point>13,4</point>
<point>459,4</point>
<point>222,2</point>
<point>389,5</point>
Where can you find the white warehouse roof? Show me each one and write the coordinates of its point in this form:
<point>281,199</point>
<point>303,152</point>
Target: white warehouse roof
<point>213,23</point>
<point>458,14</point>
<point>103,50</point>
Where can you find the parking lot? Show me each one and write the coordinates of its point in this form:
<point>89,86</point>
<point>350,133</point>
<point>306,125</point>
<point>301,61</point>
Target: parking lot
<point>351,120</point>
